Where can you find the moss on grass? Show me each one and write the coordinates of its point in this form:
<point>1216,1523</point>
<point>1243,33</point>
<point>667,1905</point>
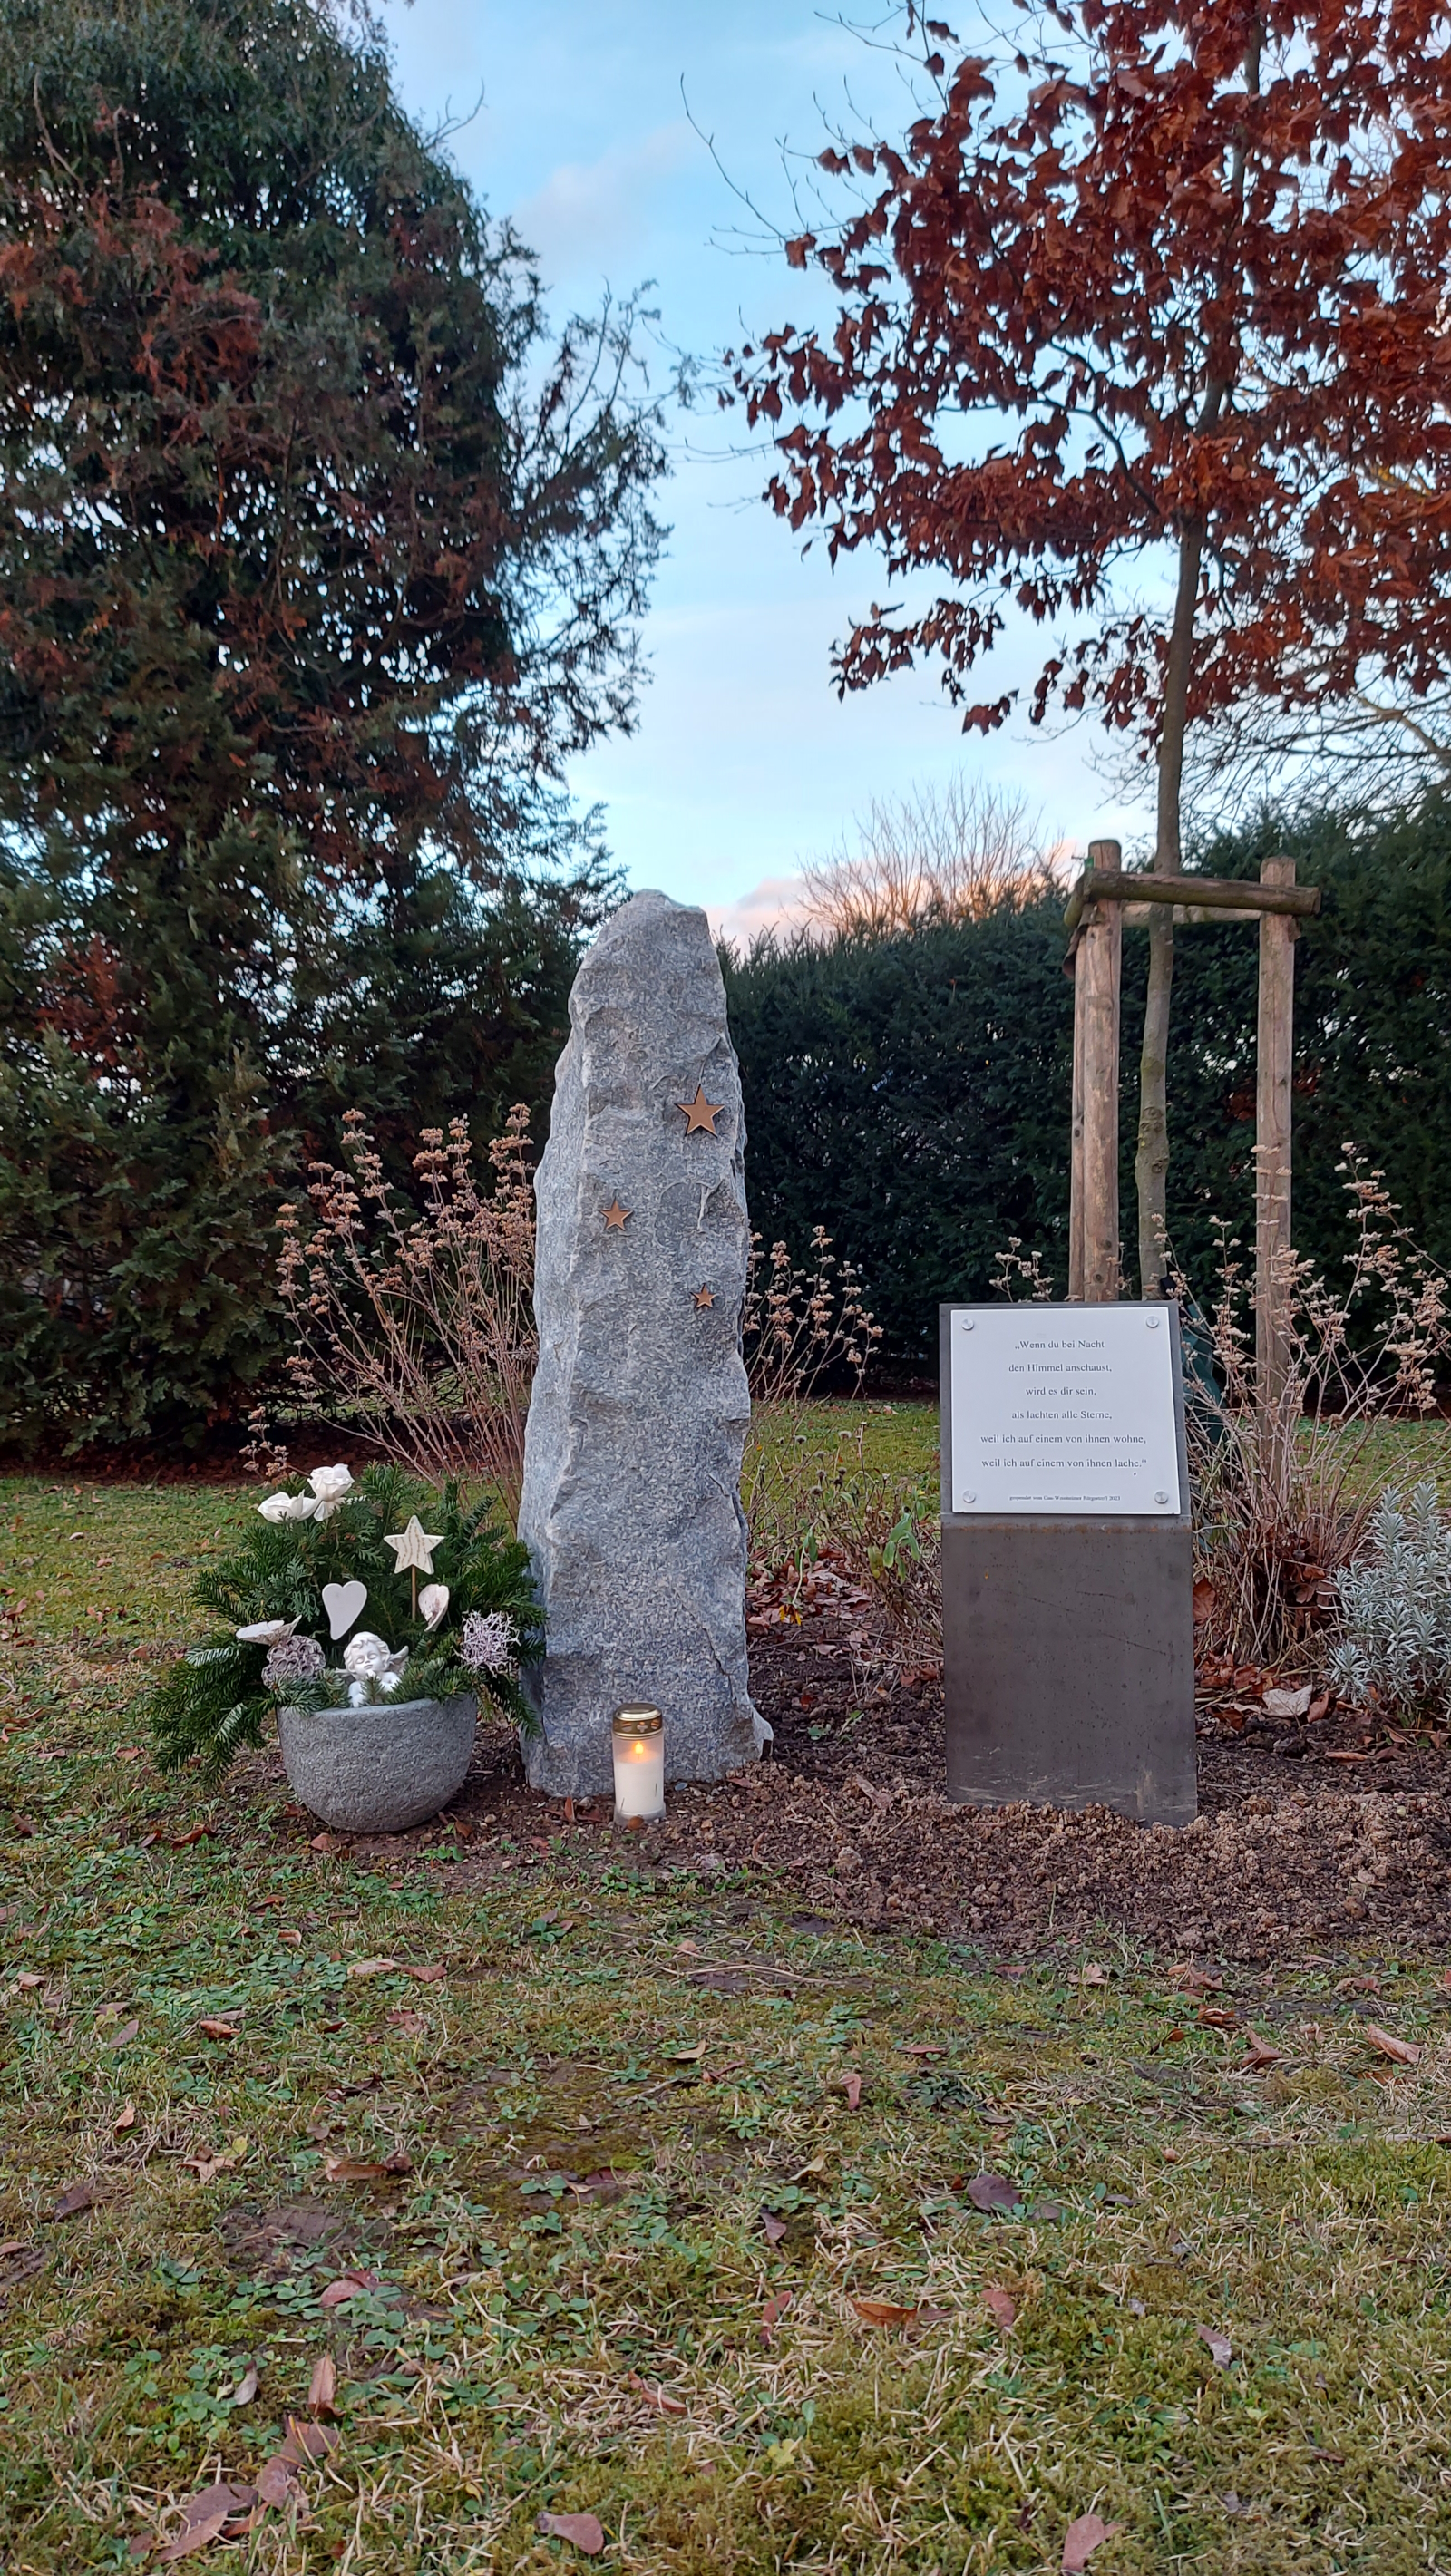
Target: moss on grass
<point>577,2303</point>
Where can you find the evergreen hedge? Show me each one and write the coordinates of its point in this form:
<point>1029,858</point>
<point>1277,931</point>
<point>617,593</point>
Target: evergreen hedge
<point>912,1094</point>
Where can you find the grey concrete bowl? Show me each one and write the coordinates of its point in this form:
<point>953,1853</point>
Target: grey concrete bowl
<point>378,1770</point>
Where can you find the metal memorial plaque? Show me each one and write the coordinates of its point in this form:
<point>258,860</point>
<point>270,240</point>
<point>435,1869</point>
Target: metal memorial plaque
<point>1063,1409</point>
<point>1068,1641</point>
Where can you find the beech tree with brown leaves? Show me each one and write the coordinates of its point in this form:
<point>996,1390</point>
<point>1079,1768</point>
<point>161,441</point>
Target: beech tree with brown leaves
<point>1143,331</point>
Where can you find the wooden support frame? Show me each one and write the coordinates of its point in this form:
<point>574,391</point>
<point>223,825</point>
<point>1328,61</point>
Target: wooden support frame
<point>1104,899</point>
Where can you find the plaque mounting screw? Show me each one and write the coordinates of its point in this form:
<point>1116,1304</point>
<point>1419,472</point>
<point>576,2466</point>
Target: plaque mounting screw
<point>969,1498</point>
<point>1153,1322</point>
<point>1161,1498</point>
<point>967,1323</point>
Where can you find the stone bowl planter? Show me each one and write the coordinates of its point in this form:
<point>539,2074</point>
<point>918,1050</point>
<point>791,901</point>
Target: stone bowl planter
<point>378,1770</point>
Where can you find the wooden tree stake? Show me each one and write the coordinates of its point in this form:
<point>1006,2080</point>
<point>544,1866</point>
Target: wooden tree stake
<point>1274,1075</point>
<point>1096,985</point>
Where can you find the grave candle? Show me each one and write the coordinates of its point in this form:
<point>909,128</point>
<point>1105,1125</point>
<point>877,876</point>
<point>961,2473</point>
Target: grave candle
<point>638,1738</point>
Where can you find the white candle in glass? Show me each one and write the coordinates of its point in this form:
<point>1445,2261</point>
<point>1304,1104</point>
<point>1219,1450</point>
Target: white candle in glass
<point>638,1737</point>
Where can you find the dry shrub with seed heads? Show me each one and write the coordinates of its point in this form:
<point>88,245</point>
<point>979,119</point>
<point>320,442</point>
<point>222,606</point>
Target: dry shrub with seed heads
<point>418,1328</point>
<point>1284,1491</point>
<point>807,1491</point>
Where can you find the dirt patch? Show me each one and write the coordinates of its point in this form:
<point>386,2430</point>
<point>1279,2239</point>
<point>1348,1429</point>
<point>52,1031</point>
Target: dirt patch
<point>1313,1835</point>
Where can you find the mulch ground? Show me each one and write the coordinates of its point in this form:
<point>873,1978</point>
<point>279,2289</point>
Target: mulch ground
<point>1312,1837</point>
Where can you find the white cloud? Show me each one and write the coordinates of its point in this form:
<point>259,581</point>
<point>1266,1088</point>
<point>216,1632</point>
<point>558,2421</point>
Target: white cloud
<point>589,212</point>
<point>777,903</point>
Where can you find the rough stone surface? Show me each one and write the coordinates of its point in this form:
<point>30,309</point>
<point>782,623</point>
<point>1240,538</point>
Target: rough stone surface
<point>631,1509</point>
<point>378,1770</point>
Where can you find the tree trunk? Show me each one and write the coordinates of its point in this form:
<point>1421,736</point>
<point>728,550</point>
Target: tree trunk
<point>1151,1162</point>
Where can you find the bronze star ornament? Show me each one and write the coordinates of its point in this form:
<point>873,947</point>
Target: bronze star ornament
<point>617,1217</point>
<point>700,1113</point>
<point>704,1297</point>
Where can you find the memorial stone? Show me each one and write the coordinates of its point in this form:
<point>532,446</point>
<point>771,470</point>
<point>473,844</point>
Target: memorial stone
<point>1067,1581</point>
<point>631,1507</point>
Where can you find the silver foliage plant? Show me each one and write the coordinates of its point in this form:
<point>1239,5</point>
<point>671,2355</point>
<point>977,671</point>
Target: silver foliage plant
<point>1395,1610</point>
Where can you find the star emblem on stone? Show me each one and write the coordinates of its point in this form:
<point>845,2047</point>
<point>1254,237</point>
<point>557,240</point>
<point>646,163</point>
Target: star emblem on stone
<point>700,1113</point>
<point>616,1218</point>
<point>414,1546</point>
<point>705,1297</point>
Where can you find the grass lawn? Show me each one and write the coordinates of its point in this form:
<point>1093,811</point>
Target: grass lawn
<point>583,2224</point>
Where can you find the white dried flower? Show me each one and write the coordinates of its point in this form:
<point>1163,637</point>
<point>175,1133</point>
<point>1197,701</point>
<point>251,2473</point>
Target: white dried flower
<point>278,1507</point>
<point>433,1601</point>
<point>488,1642</point>
<point>293,1659</point>
<point>266,1632</point>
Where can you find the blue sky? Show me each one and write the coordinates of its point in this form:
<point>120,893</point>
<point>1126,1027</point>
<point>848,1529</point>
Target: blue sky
<point>743,762</point>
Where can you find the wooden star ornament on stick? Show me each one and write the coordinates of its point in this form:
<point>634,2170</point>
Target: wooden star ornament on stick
<point>413,1547</point>
<point>700,1113</point>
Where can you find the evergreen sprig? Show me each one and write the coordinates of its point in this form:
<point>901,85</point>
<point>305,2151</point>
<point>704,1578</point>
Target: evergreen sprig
<point>216,1700</point>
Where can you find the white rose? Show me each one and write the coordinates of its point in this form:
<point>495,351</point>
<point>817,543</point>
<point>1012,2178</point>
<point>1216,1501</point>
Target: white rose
<point>331,1486</point>
<point>266,1632</point>
<point>278,1507</point>
<point>433,1601</point>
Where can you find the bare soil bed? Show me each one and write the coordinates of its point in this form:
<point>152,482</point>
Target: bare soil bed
<point>1311,1838</point>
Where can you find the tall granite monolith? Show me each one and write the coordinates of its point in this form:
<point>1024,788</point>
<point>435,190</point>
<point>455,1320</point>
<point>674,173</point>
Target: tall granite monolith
<point>631,1510</point>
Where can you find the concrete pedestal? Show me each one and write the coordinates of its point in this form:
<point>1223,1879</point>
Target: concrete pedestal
<point>1068,1665</point>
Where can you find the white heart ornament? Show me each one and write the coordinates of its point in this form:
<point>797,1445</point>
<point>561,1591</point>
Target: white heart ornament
<point>343,1602</point>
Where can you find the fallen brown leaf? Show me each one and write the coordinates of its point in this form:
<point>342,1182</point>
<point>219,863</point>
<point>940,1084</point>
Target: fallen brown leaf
<point>219,2029</point>
<point>306,2442</point>
<point>433,1975</point>
<point>775,2227</point>
<point>78,2196</point>
<point>1194,1981</point>
<point>347,2286</point>
<point>1260,2052</point>
<point>1082,2538</point>
<point>921,2048</point>
<point>1218,2017</point>
<point>322,2394</point>
<point>124,2120</point>
<point>1221,2350</point>
<point>1000,2308</point>
<point>404,2018</point>
<point>887,2312</point>
<point>27,1979</point>
<point>989,2191</point>
<point>373,1968</point>
<point>687,2056</point>
<point>182,1842</point>
<point>655,2397</point>
<point>366,2168</point>
<point>246,2388</point>
<point>275,2482</point>
<point>1094,1976</point>
<point>120,2038</point>
<point>851,2086</point>
<point>582,2529</point>
<point>212,2162</point>
<point>772,2313</point>
<point>205,2516</point>
<point>1404,2051</point>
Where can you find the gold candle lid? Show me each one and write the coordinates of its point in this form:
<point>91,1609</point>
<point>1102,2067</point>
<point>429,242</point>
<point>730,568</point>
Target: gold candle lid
<point>638,1719</point>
